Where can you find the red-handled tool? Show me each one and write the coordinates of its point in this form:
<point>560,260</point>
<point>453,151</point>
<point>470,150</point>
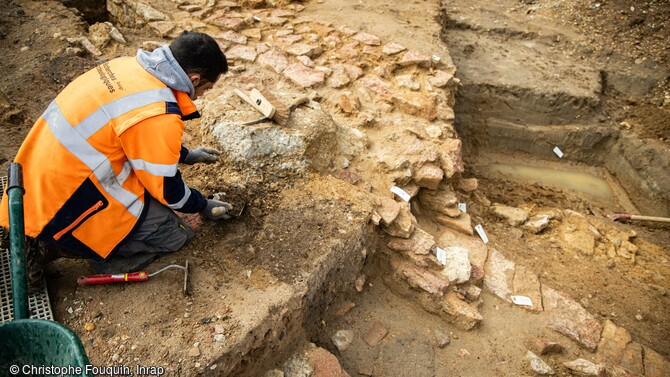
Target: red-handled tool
<point>132,277</point>
<point>113,278</point>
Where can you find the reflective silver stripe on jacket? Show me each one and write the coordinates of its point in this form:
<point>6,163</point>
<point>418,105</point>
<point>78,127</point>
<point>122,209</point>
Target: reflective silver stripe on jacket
<point>94,122</point>
<point>179,204</point>
<point>161,170</point>
<point>74,139</point>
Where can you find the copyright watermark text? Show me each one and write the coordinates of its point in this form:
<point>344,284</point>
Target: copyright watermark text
<point>88,370</point>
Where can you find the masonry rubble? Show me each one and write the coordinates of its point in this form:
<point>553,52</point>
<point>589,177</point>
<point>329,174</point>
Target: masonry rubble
<point>379,86</point>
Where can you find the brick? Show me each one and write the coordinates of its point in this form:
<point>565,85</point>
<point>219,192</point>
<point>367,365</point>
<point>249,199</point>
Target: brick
<point>544,347</point>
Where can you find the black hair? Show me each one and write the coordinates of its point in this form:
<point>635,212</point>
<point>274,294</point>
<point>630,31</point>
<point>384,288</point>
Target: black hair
<point>199,53</point>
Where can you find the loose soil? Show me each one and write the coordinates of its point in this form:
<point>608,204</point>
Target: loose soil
<point>618,33</point>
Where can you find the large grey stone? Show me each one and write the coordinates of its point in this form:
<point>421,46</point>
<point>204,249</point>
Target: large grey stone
<point>309,140</point>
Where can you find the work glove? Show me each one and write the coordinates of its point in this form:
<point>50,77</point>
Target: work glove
<point>201,154</point>
<point>217,210</point>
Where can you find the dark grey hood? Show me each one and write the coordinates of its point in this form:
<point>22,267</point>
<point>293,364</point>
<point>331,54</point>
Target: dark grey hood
<point>162,65</point>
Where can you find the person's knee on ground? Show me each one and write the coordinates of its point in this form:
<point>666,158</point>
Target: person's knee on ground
<point>162,232</point>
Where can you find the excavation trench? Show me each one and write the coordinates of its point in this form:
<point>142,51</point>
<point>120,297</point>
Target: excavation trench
<point>534,110</point>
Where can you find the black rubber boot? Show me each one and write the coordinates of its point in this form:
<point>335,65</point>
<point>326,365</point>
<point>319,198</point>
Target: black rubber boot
<point>36,255</point>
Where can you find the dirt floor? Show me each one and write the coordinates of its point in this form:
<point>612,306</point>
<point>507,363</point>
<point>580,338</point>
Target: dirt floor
<point>618,36</point>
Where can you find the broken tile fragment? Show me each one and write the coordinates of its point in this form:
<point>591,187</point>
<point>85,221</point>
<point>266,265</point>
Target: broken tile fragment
<point>420,242</point>
<point>304,49</point>
<point>412,57</point>
<point>571,319</point>
<point>240,52</point>
<point>375,334</point>
<point>460,313</point>
<point>232,36</point>
<point>393,48</point>
<point>303,76</point>
<point>348,102</point>
<point>499,275</point>
<point>440,78</point>
<point>527,283</point>
<point>367,39</point>
<point>274,59</point>
<point>419,278</point>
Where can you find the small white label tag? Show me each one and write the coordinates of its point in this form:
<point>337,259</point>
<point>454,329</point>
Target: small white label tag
<point>522,300</point>
<point>558,152</point>
<point>441,256</point>
<point>401,193</point>
<point>482,234</point>
<point>463,207</point>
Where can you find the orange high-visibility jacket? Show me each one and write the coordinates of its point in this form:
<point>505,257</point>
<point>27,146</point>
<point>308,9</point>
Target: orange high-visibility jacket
<point>109,138</point>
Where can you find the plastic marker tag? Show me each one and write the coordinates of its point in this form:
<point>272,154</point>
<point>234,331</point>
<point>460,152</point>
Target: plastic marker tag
<point>441,255</point>
<point>401,193</point>
<point>482,234</point>
<point>558,152</point>
<point>522,300</point>
<point>463,207</point>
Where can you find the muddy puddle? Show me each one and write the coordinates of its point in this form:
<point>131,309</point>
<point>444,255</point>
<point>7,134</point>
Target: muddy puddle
<point>580,182</point>
<point>593,184</point>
